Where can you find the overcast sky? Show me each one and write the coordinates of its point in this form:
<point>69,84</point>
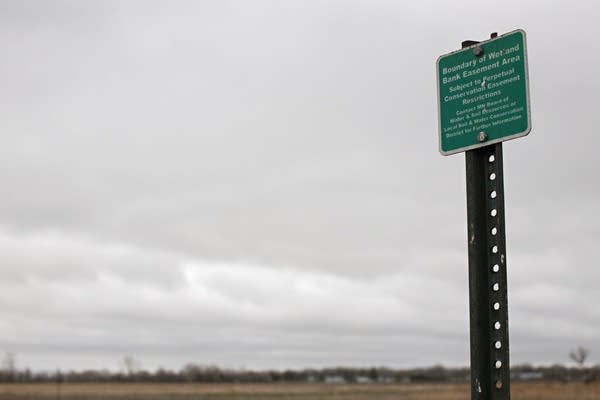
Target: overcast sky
<point>258,184</point>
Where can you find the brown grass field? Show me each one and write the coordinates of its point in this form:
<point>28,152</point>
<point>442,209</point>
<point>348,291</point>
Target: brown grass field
<point>131,391</point>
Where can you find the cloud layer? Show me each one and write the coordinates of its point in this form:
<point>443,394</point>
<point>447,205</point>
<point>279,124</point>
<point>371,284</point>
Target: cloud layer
<point>260,185</point>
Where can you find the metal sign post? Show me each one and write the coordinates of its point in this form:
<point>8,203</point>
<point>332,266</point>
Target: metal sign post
<point>483,99</point>
<point>488,306</point>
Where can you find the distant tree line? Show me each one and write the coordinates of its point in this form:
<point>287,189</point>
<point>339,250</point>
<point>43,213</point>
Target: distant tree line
<point>213,374</point>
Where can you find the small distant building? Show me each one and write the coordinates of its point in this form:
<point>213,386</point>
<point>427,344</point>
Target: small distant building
<point>385,379</point>
<point>527,375</point>
<point>335,379</point>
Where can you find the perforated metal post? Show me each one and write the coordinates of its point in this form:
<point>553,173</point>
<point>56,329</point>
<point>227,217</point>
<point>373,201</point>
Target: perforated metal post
<point>490,373</point>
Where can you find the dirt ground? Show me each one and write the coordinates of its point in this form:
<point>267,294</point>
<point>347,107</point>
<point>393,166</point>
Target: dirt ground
<point>129,391</point>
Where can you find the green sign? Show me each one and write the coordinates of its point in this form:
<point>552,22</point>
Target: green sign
<point>483,94</point>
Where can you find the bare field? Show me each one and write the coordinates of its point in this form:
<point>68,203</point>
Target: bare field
<point>129,391</point>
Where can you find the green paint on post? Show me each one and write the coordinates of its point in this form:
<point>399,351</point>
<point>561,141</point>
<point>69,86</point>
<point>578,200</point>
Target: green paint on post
<point>483,94</point>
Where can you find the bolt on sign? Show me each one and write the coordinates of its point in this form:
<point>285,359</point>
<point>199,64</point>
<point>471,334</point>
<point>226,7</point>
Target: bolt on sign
<point>483,94</point>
